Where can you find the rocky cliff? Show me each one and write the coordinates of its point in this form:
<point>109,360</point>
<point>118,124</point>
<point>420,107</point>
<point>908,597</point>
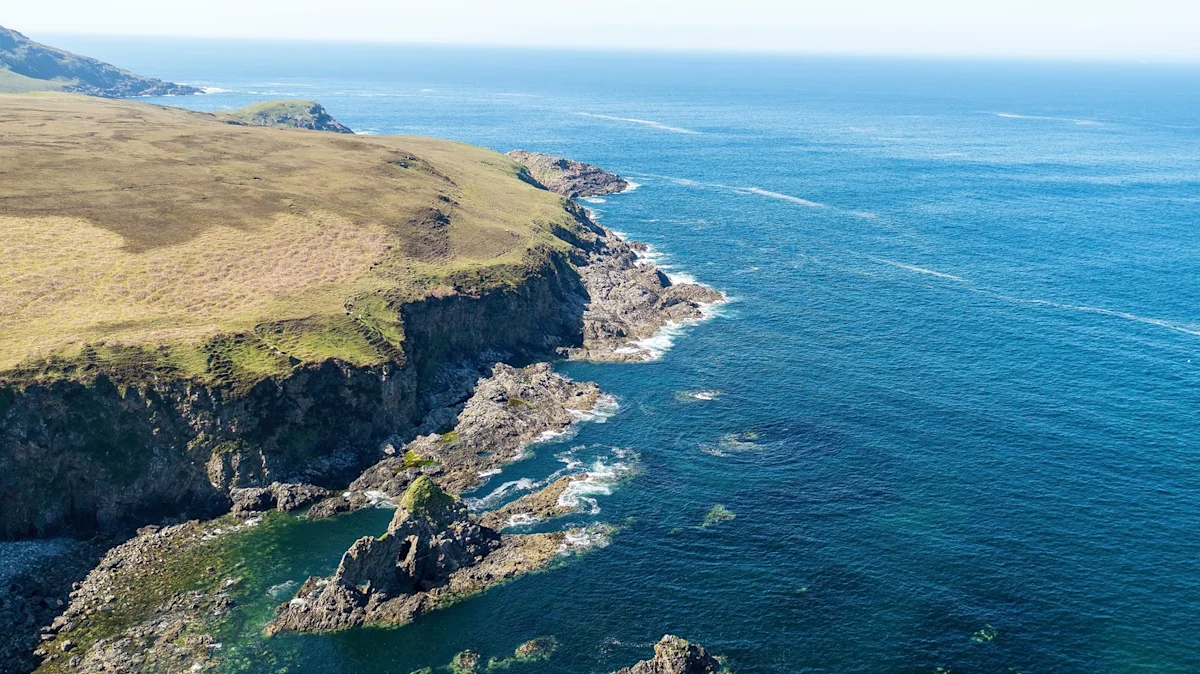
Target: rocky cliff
<point>26,65</point>
<point>568,177</point>
<point>86,455</point>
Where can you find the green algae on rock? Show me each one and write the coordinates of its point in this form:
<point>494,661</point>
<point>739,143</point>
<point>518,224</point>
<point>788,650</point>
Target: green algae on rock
<point>718,514</point>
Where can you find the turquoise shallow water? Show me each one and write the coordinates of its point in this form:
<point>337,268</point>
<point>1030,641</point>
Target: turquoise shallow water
<point>962,358</point>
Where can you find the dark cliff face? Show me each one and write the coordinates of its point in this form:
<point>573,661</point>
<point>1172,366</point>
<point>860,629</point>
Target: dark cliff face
<point>78,458</point>
<point>85,75</point>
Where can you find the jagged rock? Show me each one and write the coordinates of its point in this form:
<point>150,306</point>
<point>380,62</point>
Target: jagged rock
<point>278,496</point>
<point>673,655</point>
<point>433,549</point>
<point>508,410</point>
<point>568,177</point>
<point>631,300</point>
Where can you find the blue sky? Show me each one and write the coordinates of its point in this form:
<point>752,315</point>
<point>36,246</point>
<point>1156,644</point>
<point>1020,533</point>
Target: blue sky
<point>1078,29</point>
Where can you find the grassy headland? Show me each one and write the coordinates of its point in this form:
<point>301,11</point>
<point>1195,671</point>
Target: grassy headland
<point>141,240</point>
<point>26,65</point>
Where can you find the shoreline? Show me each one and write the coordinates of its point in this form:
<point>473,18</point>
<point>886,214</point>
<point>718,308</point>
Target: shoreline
<point>634,314</point>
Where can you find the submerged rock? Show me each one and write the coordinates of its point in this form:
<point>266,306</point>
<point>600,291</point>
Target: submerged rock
<point>433,550</point>
<point>673,655</point>
<point>568,177</point>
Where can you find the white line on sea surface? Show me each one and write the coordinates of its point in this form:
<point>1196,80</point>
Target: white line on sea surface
<point>645,122</point>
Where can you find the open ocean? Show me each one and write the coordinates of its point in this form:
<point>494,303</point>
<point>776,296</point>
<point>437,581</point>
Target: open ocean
<point>955,403</point>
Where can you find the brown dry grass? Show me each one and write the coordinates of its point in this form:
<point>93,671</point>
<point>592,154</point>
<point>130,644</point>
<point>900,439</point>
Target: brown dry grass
<point>132,224</point>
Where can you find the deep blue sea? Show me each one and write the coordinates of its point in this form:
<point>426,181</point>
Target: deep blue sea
<point>956,403</point>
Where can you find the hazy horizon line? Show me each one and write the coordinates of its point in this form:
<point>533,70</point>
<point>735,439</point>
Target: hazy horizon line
<point>666,50</point>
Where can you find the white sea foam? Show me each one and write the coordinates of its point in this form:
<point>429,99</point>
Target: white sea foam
<point>1188,329</point>
<point>379,499</point>
<point>594,200</point>
<point>569,459</point>
<point>519,520</point>
<point>678,277</point>
<point>548,436</point>
<point>282,590</point>
<point>605,408</point>
<point>578,540</point>
<point>581,493</point>
<point>630,186</point>
<point>920,270</point>
<point>778,195</point>
<point>705,395</point>
<point>758,191</point>
<point>1073,120</point>
<point>500,493</point>
<point>213,90</point>
<point>645,122</point>
<point>658,344</point>
<point>485,474</point>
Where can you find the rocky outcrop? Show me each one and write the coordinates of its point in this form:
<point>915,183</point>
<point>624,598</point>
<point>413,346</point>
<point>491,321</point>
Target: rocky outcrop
<point>276,496</point>
<point>150,605</point>
<point>567,177</point>
<point>507,410</point>
<point>289,114</point>
<point>72,73</point>
<point>630,300</point>
<point>433,550</point>
<point>673,655</point>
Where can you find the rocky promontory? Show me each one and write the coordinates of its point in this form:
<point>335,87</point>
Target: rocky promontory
<point>286,114</point>
<point>26,65</point>
<point>630,300</point>
<point>673,655</point>
<point>567,177</point>
<point>434,550</point>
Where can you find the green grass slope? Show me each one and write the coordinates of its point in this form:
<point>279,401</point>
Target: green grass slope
<point>139,239</point>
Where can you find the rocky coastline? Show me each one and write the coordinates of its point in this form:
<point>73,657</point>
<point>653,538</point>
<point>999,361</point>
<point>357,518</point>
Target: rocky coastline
<point>568,177</point>
<point>454,414</point>
<point>45,67</point>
